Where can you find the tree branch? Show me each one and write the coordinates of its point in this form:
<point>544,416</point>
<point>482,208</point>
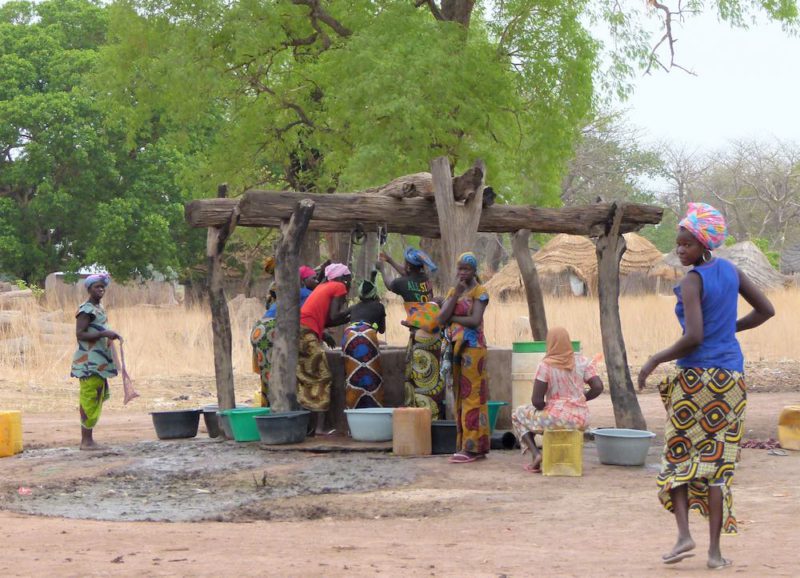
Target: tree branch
<point>317,12</point>
<point>433,8</point>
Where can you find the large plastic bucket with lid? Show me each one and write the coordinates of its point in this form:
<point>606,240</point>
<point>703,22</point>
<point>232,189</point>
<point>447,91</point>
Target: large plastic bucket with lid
<point>789,427</point>
<point>525,359</point>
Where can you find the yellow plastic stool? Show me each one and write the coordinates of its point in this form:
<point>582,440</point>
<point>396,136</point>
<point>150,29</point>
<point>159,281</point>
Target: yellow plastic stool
<point>10,433</point>
<point>562,452</point>
<point>789,427</point>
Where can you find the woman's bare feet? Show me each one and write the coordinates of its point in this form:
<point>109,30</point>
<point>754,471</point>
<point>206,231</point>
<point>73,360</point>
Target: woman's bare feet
<point>718,562</point>
<point>682,550</point>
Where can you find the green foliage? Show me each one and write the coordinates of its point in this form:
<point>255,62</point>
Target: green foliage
<point>351,105</point>
<point>74,187</point>
<point>773,257</point>
<point>34,288</point>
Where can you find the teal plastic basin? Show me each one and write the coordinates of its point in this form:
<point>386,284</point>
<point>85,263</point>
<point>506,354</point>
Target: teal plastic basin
<point>494,408</point>
<point>243,423</point>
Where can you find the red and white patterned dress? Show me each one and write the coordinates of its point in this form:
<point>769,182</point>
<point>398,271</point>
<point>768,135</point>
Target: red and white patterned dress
<point>565,403</point>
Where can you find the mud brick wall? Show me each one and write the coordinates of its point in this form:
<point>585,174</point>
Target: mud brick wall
<point>393,364</point>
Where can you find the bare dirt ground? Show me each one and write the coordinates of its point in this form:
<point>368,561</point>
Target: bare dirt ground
<point>241,510</point>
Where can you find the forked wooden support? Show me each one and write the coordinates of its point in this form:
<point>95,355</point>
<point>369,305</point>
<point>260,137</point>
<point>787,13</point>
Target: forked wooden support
<point>220,316</point>
<point>610,248</point>
<point>458,221</point>
<point>283,375</point>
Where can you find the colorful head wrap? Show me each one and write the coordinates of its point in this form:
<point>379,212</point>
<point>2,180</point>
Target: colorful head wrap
<point>418,258</point>
<point>367,290</point>
<point>469,258</point>
<point>336,270</point>
<point>103,278</point>
<point>706,224</point>
<point>269,265</point>
<point>306,272</point>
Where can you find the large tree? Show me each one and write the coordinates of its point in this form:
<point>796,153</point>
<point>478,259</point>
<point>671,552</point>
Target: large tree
<point>75,188</point>
<point>345,94</point>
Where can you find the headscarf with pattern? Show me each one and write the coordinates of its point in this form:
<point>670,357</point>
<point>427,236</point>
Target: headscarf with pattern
<point>418,258</point>
<point>336,270</point>
<point>706,224</point>
<point>469,259</point>
<point>103,278</point>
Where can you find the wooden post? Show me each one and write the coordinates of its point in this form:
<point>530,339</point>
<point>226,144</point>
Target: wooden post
<point>610,248</point>
<point>283,377</point>
<point>530,279</point>
<point>458,222</point>
<point>220,316</point>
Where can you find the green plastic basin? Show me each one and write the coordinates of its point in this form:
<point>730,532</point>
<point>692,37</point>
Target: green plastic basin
<point>494,408</point>
<point>243,423</point>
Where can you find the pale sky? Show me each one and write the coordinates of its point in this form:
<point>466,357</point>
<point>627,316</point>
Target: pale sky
<point>747,86</point>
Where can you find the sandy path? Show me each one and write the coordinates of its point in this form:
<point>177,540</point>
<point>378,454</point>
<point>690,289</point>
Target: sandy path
<point>483,519</point>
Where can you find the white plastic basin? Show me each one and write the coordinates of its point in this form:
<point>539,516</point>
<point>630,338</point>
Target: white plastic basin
<point>622,447</point>
<point>372,424</point>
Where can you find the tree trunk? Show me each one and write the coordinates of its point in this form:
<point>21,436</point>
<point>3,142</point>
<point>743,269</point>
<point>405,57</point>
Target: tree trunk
<point>458,11</point>
<point>220,316</point>
<point>309,252</point>
<point>530,278</point>
<point>494,251</point>
<point>283,377</point>
<point>338,246</point>
<point>610,248</point>
<point>458,223</point>
<point>367,256</point>
<point>433,247</point>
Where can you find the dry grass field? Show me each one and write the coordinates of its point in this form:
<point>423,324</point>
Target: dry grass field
<point>170,348</point>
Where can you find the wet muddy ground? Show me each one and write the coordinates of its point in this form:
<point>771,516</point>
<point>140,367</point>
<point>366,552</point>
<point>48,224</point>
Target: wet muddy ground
<point>193,480</point>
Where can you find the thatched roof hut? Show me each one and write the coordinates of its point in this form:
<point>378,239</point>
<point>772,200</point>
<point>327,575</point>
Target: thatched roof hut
<point>790,260</point>
<point>567,265</point>
<point>745,255</point>
<point>753,263</point>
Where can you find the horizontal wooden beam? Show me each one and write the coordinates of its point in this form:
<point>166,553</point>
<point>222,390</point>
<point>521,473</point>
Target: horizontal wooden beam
<point>410,216</point>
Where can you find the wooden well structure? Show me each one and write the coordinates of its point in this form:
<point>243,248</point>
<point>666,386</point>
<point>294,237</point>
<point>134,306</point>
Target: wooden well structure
<point>434,205</point>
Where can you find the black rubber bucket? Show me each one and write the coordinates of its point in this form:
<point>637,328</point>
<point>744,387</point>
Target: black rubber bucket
<point>503,440</point>
<point>289,427</point>
<point>443,436</point>
<point>176,424</point>
<point>211,420</point>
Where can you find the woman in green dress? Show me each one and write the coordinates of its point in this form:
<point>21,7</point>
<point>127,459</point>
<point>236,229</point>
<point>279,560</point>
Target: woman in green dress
<point>93,362</point>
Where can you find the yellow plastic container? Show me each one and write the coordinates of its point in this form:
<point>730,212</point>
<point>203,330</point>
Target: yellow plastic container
<point>10,433</point>
<point>789,427</point>
<point>562,453</point>
<point>411,431</point>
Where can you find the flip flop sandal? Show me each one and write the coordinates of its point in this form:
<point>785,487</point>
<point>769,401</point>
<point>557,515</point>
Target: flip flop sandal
<point>677,557</point>
<point>461,459</point>
<point>531,469</point>
<point>777,452</point>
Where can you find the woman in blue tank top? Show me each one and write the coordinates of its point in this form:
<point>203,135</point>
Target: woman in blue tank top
<point>705,401</point>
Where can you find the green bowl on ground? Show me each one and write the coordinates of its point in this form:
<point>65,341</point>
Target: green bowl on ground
<point>494,408</point>
<point>243,423</point>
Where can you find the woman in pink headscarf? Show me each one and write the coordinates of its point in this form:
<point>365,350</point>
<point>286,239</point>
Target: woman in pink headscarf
<point>325,307</point>
<point>705,401</point>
